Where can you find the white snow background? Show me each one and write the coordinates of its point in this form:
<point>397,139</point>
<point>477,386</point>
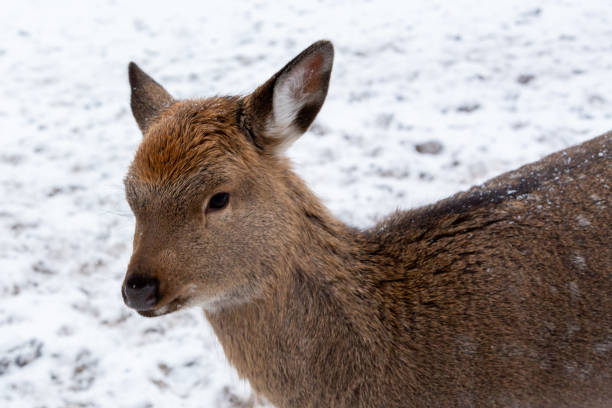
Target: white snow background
<point>494,84</point>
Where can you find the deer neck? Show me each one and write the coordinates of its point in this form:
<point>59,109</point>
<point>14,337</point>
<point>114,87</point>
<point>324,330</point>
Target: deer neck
<point>306,327</point>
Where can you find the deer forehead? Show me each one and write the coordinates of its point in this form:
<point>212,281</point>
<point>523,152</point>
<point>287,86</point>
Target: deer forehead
<point>189,138</point>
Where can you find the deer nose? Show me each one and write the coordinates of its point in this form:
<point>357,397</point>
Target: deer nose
<point>141,292</point>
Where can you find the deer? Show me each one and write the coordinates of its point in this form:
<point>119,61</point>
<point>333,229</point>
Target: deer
<point>498,296</point>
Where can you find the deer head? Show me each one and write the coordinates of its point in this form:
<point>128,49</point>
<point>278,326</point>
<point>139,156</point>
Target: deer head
<point>215,202</point>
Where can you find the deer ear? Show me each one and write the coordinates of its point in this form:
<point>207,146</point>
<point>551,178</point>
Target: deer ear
<point>148,98</point>
<point>282,109</point>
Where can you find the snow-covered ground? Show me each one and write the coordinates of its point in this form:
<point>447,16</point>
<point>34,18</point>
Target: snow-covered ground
<point>491,85</point>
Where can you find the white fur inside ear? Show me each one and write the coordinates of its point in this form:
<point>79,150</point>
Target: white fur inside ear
<point>289,97</point>
<point>301,85</point>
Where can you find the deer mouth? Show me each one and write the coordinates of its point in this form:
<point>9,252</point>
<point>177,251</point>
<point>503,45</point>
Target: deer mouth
<point>174,303</point>
<point>170,307</point>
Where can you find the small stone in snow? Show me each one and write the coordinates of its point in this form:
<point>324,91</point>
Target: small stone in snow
<point>431,147</point>
<point>468,107</point>
<point>524,79</point>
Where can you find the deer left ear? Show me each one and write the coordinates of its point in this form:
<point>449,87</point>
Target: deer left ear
<point>282,109</point>
<point>148,98</point>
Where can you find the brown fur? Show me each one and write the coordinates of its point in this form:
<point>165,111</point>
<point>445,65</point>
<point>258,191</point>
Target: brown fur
<point>496,297</point>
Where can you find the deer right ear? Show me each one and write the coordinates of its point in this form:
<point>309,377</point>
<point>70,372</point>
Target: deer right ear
<point>282,109</point>
<point>148,98</point>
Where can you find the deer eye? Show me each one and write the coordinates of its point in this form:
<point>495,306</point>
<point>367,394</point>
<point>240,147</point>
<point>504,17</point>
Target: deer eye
<point>218,202</point>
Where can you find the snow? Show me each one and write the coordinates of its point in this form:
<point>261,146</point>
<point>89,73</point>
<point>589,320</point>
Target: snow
<point>495,84</point>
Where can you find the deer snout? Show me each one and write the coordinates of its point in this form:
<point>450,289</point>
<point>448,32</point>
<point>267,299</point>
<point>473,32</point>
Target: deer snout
<point>140,292</point>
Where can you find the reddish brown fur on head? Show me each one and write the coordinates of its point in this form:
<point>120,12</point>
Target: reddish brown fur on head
<point>189,137</point>
<point>193,150</point>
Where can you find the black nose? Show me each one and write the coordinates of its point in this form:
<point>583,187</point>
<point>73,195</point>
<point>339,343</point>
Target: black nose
<point>141,292</point>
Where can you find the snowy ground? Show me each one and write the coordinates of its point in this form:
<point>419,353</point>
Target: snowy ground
<point>493,84</point>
